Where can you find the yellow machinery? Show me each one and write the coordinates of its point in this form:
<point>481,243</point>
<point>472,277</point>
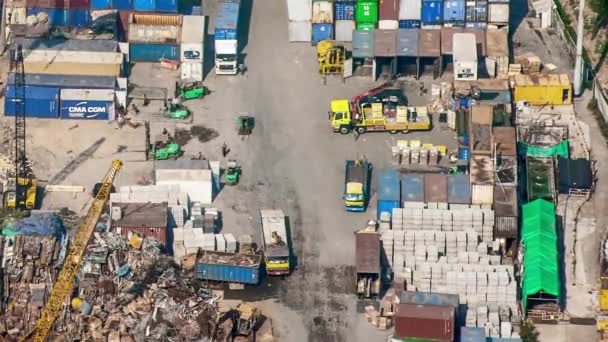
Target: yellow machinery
<point>247,319</point>
<point>331,58</point>
<point>65,281</point>
<point>25,191</point>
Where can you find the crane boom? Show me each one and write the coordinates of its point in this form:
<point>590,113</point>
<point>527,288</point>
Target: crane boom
<point>65,281</point>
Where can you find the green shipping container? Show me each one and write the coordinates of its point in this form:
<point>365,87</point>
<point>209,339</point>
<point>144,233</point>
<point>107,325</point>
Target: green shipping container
<point>366,26</point>
<point>366,12</point>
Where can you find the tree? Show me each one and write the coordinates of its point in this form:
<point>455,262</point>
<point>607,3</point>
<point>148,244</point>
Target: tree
<point>528,332</point>
<point>600,7</point>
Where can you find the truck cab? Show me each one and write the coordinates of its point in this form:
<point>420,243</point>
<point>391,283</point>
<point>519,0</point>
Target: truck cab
<point>226,57</point>
<point>340,116</point>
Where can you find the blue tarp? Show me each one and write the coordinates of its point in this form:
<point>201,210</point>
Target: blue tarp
<point>44,224</point>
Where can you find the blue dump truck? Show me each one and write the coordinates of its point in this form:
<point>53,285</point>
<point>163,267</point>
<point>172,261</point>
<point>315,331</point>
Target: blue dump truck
<point>389,192</point>
<point>356,184</point>
<point>229,267</point>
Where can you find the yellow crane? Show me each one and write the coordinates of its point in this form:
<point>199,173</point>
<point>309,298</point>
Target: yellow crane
<point>65,281</point>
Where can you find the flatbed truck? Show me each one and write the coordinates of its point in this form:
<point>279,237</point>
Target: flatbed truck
<point>277,251</point>
<point>367,265</point>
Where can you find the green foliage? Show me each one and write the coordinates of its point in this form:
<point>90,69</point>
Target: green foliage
<point>528,332</point>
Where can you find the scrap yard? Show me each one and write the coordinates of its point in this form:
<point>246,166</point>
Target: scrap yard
<point>299,170</point>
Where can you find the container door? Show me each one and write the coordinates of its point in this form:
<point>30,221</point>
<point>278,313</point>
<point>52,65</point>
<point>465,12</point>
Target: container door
<point>348,68</point>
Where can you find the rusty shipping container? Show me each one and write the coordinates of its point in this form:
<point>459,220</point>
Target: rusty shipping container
<point>367,250</point>
<point>385,43</point>
<point>155,19</point>
<point>429,43</point>
<point>480,130</point>
<point>436,188</point>
<point>388,9</point>
<point>446,38</point>
<point>72,4</point>
<point>147,219</point>
<point>163,34</point>
<point>425,322</point>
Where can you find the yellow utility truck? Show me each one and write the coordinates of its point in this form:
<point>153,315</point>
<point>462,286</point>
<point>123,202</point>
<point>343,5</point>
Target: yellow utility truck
<point>277,251</point>
<point>380,109</point>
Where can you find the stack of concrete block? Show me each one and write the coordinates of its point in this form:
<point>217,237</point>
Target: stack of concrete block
<point>387,237</point>
<point>482,316</point>
<point>461,241</point>
<point>231,245</point>
<point>208,241</point>
<point>220,243</point>
<point>413,205</point>
<point>471,318</point>
<point>190,242</point>
<point>178,215</point>
<point>410,238</point>
<point>451,244</point>
<point>422,278</point>
<point>420,254</point>
<point>495,259</point>
<point>472,241</point>
<point>477,220</point>
<point>487,233</point>
<point>506,329</point>
<point>446,219</point>
<point>397,219</point>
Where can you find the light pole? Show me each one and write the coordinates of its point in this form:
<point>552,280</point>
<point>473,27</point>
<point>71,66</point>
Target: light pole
<point>578,64</point>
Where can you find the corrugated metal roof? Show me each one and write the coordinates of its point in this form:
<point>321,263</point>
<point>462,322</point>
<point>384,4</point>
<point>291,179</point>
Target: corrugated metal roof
<point>542,80</point>
<point>385,43</point>
<point>447,34</point>
<point>505,201</point>
<point>425,311</point>
<point>504,138</point>
<point>407,42</point>
<point>482,170</point>
<point>436,188</point>
<point>182,164</point>
<point>367,252</point>
<point>429,43</point>
<point>142,215</point>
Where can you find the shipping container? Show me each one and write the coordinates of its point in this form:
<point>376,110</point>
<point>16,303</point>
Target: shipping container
<point>57,16</point>
<point>100,45</point>
<point>229,267</point>
<point>191,71</point>
<point>322,12</point>
<point>385,43</point>
<point>436,188</point>
<point>79,18</point>
<point>425,321</point>
<point>476,12</point>
<point>542,90</point>
<point>388,9</point>
<point>71,4</point>
<point>344,30</point>
<point>91,104</point>
<point>122,4</point>
<point>453,10</point>
<point>153,52</point>
<point>66,81</point>
<point>226,23</point>
<point>299,10</point>
<point>409,24</point>
<point>73,62</point>
<point>166,6</point>
<point>300,31</point>
<point>412,188</point>
<point>480,130</point>
<point>459,189</point>
<point>429,298</point>
<point>191,52</point>
<point>193,29</point>
<point>366,12</point>
<point>388,24</point>
<point>101,4</point>
<point>156,19</point>
<point>429,43</point>
<point>482,194</point>
<point>410,10</point>
<point>144,5</point>
<point>40,102</point>
<point>481,170</point>
<point>389,192</point>
<point>498,13</point>
<point>363,44</point>
<point>447,36</point>
<point>344,11</point>
<point>472,334</point>
<point>432,12</point>
<point>497,52</point>
<point>163,34</point>
<point>464,49</point>
<point>366,26</point>
<point>407,43</point>
<point>321,32</point>
<point>604,299</point>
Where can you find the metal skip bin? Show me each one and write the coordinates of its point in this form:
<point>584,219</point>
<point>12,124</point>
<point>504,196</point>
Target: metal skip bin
<point>90,104</point>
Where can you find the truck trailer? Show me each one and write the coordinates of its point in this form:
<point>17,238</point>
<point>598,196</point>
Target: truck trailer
<point>227,38</point>
<point>356,185</point>
<point>367,255</point>
<point>276,242</point>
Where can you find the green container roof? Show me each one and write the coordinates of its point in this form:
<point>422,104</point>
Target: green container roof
<point>562,150</point>
<point>366,12</point>
<point>539,237</point>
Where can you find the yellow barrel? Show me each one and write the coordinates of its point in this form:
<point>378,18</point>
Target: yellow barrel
<point>324,46</point>
<point>76,303</point>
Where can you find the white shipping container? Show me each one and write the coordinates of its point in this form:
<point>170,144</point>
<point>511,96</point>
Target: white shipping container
<point>191,52</point>
<point>465,56</point>
<point>299,10</point>
<point>482,194</point>
<point>191,71</point>
<point>227,47</point>
<point>154,34</point>
<point>300,31</point>
<point>344,30</point>
<point>87,94</point>
<point>410,9</point>
<point>388,24</point>
<point>322,12</point>
<point>498,13</point>
<point>193,29</point>
<point>197,183</point>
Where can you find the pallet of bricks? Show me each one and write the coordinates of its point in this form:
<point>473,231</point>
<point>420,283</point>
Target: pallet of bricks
<point>441,248</point>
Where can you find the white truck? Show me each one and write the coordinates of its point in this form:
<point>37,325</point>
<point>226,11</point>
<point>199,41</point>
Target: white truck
<point>227,38</point>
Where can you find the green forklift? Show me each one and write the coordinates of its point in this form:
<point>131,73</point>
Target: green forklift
<point>176,111</point>
<point>164,151</point>
<point>190,90</point>
<point>233,172</point>
<point>245,124</point>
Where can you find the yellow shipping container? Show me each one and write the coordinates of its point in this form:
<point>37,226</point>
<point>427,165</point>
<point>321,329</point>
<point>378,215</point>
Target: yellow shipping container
<point>73,63</point>
<point>604,300</point>
<point>602,322</point>
<point>540,90</point>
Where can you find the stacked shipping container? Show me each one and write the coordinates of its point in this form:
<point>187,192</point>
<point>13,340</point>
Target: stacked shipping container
<point>300,14</point>
<point>322,21</point>
<point>152,37</point>
<point>192,47</point>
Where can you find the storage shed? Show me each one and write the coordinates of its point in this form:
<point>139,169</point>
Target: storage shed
<point>193,177</point>
<point>574,175</point>
<point>541,90</point>
<point>429,51</point>
<point>465,57</point>
<point>497,46</point>
<point>147,219</point>
<point>407,51</point>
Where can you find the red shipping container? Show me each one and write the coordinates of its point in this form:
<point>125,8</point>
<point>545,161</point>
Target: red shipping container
<point>388,9</point>
<point>425,322</point>
<point>86,4</point>
<point>147,219</point>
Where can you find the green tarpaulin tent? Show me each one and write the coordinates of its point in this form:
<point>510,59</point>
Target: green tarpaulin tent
<point>562,150</point>
<point>541,258</point>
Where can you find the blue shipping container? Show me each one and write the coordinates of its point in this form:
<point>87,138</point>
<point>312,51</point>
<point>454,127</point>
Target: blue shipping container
<point>79,17</point>
<point>472,334</point>
<point>453,10</point>
<point>144,5</point>
<point>101,4</point>
<point>153,52</point>
<point>430,298</point>
<point>388,186</point>
<point>322,32</point>
<point>168,6</point>
<point>412,188</point>
<point>40,102</point>
<point>226,24</point>
<point>464,153</point>
<point>344,11</point>
<point>122,4</point>
<point>90,110</point>
<point>432,12</point>
<point>407,24</point>
<point>67,81</point>
<point>228,273</point>
<point>459,189</point>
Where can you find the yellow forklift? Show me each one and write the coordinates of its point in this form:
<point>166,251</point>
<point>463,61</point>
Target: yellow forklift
<point>331,58</point>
